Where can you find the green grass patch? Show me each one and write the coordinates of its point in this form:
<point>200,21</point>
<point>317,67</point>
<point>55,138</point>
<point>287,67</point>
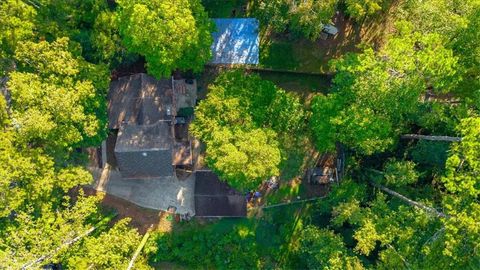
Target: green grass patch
<point>287,191</point>
<point>311,57</point>
<point>223,9</point>
<point>278,55</point>
<point>297,55</point>
<point>293,164</point>
<point>283,52</point>
<point>298,82</point>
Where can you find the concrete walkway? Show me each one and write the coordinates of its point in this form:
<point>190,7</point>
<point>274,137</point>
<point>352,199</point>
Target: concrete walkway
<point>154,193</point>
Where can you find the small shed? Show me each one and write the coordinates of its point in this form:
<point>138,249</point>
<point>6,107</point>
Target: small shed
<point>236,41</point>
<point>215,198</point>
<point>145,150</point>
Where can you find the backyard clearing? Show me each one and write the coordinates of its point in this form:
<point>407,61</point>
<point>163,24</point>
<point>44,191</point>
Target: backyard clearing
<point>286,52</point>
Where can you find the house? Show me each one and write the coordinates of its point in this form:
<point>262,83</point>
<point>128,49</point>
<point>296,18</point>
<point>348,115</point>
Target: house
<point>142,113</point>
<point>235,41</point>
<point>149,142</point>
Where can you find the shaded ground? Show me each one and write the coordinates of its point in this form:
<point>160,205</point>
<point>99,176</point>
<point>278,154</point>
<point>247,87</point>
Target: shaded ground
<point>313,191</point>
<point>300,83</point>
<point>293,190</point>
<point>142,218</point>
<point>128,69</point>
<point>375,31</point>
<point>225,9</point>
<point>286,52</point>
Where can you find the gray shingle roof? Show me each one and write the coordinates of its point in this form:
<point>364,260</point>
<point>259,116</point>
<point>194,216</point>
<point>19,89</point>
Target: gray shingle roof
<point>215,198</point>
<point>138,99</point>
<point>145,150</point>
<point>158,136</point>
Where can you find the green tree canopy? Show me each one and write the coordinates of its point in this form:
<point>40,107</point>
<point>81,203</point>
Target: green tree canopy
<point>323,249</point>
<point>111,249</point>
<point>400,173</point>
<point>361,9</point>
<point>58,99</point>
<point>57,18</point>
<point>463,163</point>
<point>37,214</point>
<point>305,18</point>
<point>457,24</point>
<point>170,34</point>
<point>30,180</point>
<point>241,122</point>
<point>465,46</point>
<point>30,235</point>
<point>377,95</point>
<point>309,17</point>
<point>403,237</point>
<point>208,247</point>
<point>17,25</point>
<point>445,17</point>
<point>106,40</point>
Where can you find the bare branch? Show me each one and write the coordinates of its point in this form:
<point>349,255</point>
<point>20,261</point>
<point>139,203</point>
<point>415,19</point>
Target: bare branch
<point>428,209</point>
<point>431,138</point>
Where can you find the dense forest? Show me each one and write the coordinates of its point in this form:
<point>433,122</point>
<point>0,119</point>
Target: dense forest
<point>403,102</point>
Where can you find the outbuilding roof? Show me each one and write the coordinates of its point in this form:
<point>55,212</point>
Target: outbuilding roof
<point>235,41</point>
<point>215,198</point>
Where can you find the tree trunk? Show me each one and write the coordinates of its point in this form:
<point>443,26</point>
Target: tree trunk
<point>431,138</point>
<point>139,249</point>
<point>409,201</point>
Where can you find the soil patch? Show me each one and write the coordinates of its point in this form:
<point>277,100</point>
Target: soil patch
<point>314,191</point>
<point>142,218</point>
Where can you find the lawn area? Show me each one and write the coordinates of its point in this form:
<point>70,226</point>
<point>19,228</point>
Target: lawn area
<point>288,191</point>
<point>224,9</point>
<point>278,55</point>
<point>285,52</point>
<point>303,84</point>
